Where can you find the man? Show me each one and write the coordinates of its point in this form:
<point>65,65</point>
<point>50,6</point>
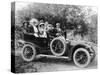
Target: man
<point>58,29</point>
<point>51,31</point>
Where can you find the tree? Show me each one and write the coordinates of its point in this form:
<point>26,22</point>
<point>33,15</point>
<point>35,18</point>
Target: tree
<point>69,16</point>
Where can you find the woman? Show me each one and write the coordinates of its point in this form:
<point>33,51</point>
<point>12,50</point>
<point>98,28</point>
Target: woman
<point>25,27</point>
<point>42,31</point>
<point>34,22</point>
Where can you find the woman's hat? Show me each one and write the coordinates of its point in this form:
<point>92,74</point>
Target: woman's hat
<point>34,21</point>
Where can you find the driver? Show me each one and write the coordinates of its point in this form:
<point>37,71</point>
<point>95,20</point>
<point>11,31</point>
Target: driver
<point>58,29</point>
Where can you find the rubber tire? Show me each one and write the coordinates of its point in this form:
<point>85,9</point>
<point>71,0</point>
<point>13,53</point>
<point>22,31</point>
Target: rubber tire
<point>33,56</point>
<point>62,39</point>
<point>88,55</point>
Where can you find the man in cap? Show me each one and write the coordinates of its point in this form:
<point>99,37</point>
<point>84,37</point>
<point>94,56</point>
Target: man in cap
<point>58,29</point>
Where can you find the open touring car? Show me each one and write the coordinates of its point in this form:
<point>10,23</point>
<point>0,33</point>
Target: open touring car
<point>81,52</point>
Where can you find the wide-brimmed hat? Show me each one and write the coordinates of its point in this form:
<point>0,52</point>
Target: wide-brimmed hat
<point>34,21</point>
<point>41,24</point>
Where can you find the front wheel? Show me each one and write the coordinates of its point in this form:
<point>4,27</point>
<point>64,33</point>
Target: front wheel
<point>81,57</point>
<point>28,52</point>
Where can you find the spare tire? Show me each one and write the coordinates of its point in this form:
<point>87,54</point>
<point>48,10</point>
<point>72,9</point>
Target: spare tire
<point>58,46</point>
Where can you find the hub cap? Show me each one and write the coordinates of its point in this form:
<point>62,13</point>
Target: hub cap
<point>28,52</point>
<point>81,57</point>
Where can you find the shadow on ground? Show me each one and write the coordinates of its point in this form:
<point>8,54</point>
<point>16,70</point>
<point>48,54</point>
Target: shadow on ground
<point>47,65</point>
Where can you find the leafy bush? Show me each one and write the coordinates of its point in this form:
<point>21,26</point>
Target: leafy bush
<point>69,16</point>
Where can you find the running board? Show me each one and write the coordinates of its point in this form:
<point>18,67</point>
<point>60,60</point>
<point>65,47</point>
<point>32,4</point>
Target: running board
<point>51,56</point>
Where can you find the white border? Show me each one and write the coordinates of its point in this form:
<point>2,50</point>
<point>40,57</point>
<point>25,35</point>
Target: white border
<point>5,36</point>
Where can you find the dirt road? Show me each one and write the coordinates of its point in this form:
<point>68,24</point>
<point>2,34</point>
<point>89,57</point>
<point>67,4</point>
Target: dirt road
<point>48,64</point>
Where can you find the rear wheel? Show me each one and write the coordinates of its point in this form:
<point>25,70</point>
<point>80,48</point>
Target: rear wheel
<point>81,57</point>
<point>28,52</point>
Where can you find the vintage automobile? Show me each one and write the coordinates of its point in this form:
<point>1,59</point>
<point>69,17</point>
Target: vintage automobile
<point>81,52</point>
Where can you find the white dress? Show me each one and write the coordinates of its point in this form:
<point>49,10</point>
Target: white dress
<point>35,31</point>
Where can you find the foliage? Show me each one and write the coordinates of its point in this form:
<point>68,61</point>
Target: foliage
<point>69,16</point>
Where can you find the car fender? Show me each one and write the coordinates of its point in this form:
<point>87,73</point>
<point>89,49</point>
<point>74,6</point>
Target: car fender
<point>77,45</point>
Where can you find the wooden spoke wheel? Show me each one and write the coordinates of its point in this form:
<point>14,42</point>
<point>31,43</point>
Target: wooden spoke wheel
<point>81,57</point>
<point>28,52</point>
